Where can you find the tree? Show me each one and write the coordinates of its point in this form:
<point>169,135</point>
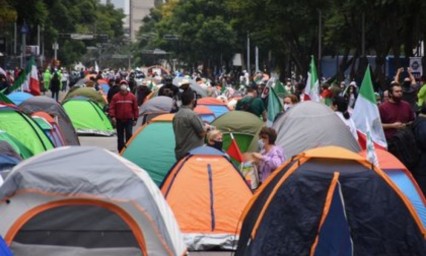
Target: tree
<point>196,31</point>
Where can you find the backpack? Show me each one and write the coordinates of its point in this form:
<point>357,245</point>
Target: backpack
<point>403,145</point>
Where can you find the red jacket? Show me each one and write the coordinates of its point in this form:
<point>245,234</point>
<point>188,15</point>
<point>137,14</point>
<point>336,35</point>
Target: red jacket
<point>124,107</point>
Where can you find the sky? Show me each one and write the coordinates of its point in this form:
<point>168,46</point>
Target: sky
<point>123,4</point>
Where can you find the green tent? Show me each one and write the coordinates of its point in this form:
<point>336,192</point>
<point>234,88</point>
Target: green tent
<point>86,92</point>
<point>87,117</point>
<point>243,125</point>
<point>20,148</point>
<point>23,128</point>
<point>152,147</point>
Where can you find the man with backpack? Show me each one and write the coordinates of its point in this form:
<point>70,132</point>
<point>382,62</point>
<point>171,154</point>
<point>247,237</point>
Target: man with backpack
<point>253,104</point>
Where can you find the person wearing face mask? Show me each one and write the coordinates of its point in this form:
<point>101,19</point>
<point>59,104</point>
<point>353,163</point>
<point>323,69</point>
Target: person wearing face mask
<point>271,156</point>
<point>124,112</point>
<point>214,139</point>
<point>289,101</point>
<point>395,113</point>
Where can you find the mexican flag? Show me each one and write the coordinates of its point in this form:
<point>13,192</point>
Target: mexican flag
<point>371,152</point>
<point>234,151</point>
<point>280,89</point>
<point>366,109</point>
<point>274,106</point>
<point>312,83</point>
<point>28,79</point>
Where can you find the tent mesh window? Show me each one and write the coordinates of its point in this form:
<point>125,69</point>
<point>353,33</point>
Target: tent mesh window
<point>79,226</point>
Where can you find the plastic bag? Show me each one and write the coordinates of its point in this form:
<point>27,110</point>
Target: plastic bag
<point>250,173</point>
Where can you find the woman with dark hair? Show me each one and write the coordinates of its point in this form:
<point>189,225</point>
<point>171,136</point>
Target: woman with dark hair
<point>271,156</point>
<point>340,107</point>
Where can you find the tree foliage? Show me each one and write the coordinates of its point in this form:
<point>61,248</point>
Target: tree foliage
<point>195,31</point>
<point>61,18</point>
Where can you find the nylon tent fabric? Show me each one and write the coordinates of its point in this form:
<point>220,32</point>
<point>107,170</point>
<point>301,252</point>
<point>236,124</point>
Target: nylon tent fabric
<point>194,86</point>
<point>50,128</point>
<point>215,105</point>
<point>17,146</point>
<point>152,147</point>
<point>4,249</point>
<point>154,107</point>
<point>7,162</point>
<point>244,126</point>
<point>24,129</point>
<point>50,106</point>
<point>204,113</point>
<point>291,212</point>
<point>206,180</point>
<point>18,97</point>
<point>93,122</point>
<point>87,92</point>
<point>309,125</point>
<point>89,198</point>
<point>402,177</point>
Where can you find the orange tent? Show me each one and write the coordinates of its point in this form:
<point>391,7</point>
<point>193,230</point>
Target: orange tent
<point>204,113</point>
<point>207,195</point>
<point>210,101</point>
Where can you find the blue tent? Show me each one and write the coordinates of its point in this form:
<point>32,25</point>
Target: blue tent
<point>4,249</point>
<point>19,97</point>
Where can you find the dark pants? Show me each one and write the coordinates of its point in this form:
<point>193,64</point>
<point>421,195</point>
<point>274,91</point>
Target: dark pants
<point>124,128</point>
<point>55,94</point>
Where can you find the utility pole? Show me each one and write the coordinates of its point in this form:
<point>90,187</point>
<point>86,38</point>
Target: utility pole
<point>248,53</point>
<point>24,32</point>
<point>256,57</point>
<point>319,42</point>
<point>363,35</point>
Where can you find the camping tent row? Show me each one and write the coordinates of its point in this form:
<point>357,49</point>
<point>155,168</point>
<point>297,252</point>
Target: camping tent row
<point>65,203</point>
<point>208,108</point>
<point>24,129</point>
<point>152,145</point>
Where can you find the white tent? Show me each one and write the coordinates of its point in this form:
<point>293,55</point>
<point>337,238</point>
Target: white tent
<point>310,125</point>
<point>85,201</point>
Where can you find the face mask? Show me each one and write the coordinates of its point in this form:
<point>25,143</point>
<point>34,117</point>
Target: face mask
<point>218,145</point>
<point>260,143</point>
<point>287,106</point>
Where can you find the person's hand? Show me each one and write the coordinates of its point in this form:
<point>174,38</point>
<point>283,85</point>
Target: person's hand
<point>398,125</point>
<point>400,70</point>
<point>409,70</point>
<point>114,121</point>
<point>257,156</point>
<point>134,122</point>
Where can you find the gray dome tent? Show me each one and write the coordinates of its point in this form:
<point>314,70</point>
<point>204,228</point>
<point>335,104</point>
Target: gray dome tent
<point>80,200</point>
<point>50,106</point>
<point>310,125</point>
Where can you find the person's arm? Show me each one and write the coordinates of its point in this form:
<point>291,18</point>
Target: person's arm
<point>111,110</point>
<point>412,78</point>
<point>264,116</point>
<point>395,125</point>
<point>398,74</point>
<point>274,160</point>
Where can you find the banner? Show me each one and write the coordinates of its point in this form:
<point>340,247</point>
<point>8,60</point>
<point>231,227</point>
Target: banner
<point>416,65</point>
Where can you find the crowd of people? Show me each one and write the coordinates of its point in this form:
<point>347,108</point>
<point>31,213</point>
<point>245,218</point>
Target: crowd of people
<point>401,104</point>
